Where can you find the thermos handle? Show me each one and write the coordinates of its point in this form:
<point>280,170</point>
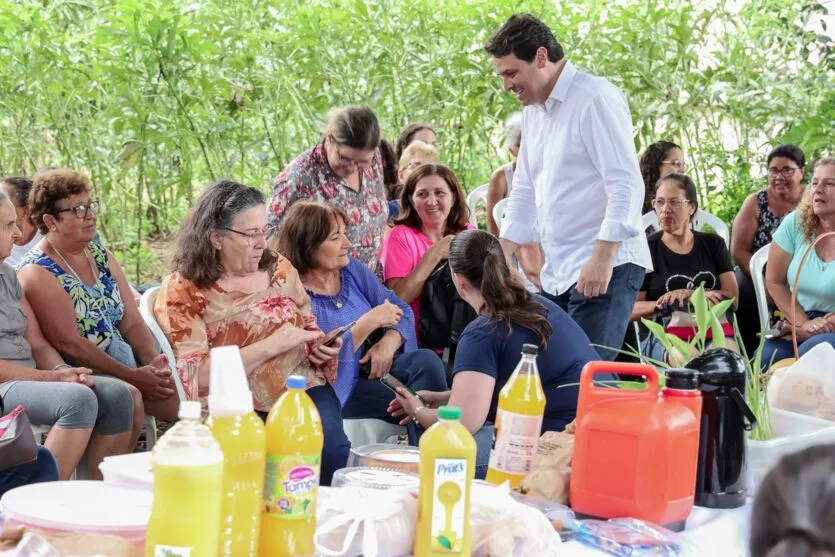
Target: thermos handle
<point>590,391</point>
<point>749,420</point>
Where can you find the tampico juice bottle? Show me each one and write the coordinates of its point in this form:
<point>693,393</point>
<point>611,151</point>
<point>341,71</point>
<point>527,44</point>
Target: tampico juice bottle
<point>240,433</point>
<point>518,422</point>
<point>291,480</point>
<point>447,468</point>
<point>188,473</point>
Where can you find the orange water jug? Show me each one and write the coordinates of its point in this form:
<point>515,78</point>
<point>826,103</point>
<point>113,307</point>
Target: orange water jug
<point>636,451</point>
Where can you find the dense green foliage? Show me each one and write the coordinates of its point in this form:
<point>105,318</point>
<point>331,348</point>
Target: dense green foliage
<point>156,98</point>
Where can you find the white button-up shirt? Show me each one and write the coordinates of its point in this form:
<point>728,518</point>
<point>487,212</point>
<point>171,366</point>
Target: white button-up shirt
<point>577,165</point>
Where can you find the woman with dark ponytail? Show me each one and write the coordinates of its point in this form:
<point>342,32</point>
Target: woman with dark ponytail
<point>490,347</point>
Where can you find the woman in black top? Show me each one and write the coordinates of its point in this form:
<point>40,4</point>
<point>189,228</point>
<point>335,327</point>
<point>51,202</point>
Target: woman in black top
<point>682,259</point>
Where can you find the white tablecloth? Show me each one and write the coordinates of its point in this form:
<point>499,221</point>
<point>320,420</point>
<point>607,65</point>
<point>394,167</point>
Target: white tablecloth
<point>709,533</point>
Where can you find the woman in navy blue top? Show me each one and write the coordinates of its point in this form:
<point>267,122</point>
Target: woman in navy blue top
<point>491,346</point>
<point>343,290</point>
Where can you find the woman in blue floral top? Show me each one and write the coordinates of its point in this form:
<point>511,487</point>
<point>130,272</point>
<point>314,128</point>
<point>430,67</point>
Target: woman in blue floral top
<point>345,170</point>
<point>88,314</point>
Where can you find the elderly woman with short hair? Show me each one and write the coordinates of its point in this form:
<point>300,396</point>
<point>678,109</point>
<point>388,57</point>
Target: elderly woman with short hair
<point>85,415</point>
<point>229,288</point>
<point>343,291</point>
<point>81,298</point>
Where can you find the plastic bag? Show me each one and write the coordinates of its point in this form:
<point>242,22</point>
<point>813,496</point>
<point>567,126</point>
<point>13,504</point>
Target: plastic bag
<point>561,517</point>
<point>503,527</point>
<point>807,386</point>
<point>629,536</point>
<point>353,521</point>
<point>551,471</point>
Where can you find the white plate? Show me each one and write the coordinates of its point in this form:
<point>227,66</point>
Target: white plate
<point>78,505</point>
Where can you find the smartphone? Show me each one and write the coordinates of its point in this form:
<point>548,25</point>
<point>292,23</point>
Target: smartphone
<point>336,333</point>
<point>393,383</point>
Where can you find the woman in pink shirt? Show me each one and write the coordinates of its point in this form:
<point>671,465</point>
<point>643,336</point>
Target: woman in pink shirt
<point>434,210</point>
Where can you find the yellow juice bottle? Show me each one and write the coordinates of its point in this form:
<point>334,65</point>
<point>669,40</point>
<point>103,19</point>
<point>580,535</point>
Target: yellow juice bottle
<point>291,479</point>
<point>188,473</point>
<point>447,467</point>
<point>518,422</point>
<point>242,438</point>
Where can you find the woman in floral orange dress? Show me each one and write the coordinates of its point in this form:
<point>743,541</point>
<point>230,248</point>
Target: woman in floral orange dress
<point>229,289</point>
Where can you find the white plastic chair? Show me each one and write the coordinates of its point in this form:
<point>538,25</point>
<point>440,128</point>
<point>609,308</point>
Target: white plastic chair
<point>499,209</point>
<point>702,219</point>
<point>146,309</point>
<point>757,266</point>
<point>478,194</point>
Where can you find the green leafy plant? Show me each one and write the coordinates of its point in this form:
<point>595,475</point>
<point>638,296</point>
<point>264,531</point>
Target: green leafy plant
<point>707,318</point>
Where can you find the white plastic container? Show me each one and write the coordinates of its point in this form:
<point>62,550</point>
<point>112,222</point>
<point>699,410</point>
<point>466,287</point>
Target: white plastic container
<point>80,506</point>
<point>129,470</point>
<point>793,432</point>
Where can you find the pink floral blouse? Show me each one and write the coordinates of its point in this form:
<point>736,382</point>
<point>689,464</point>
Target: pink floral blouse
<point>310,177</point>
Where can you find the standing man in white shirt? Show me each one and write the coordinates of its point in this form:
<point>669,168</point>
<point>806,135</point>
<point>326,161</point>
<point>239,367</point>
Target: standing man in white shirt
<point>577,185</point>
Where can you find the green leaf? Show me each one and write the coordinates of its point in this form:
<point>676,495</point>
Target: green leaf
<point>720,309</point>
<point>657,330</point>
<point>716,331</point>
<point>444,542</point>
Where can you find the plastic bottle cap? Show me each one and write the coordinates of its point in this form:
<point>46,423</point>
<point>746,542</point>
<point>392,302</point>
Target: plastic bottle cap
<point>189,410</point>
<point>296,382</point>
<point>229,393</point>
<point>449,413</point>
<point>531,349</point>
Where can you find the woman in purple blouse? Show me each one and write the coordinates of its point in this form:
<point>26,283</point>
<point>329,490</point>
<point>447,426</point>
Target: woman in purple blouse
<point>342,291</point>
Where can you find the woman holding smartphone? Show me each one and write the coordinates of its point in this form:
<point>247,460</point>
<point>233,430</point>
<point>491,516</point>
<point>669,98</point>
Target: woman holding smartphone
<point>381,336</point>
<point>491,346</point>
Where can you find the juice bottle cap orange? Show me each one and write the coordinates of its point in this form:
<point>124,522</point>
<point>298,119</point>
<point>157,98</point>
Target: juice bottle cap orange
<point>449,413</point>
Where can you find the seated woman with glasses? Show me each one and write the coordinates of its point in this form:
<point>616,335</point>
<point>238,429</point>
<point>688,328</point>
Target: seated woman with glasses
<point>815,307</point>
<point>345,170</point>
<point>229,288</point>
<point>660,159</point>
<point>682,259</point>
<point>755,225</point>
<point>81,298</point>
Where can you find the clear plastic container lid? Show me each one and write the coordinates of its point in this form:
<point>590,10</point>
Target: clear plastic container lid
<point>374,478</point>
<point>391,457</point>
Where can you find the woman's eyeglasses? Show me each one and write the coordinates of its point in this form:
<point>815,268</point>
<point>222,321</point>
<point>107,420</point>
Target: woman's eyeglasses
<point>674,203</point>
<point>81,209</point>
<point>680,165</point>
<point>786,171</point>
<point>252,237</point>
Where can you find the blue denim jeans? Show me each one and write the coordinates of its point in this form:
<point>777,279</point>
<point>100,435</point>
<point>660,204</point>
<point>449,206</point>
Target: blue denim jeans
<point>605,318</point>
<point>43,469</point>
<point>779,348</point>
<point>337,447</point>
<point>420,370</point>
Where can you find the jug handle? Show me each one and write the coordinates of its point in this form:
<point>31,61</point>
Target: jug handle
<point>589,392</point>
<point>749,420</point>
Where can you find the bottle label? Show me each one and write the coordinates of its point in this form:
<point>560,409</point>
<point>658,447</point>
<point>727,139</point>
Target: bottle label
<point>291,483</point>
<point>171,551</point>
<point>515,441</point>
<point>448,504</point>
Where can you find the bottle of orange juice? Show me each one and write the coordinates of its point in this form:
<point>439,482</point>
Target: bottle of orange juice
<point>447,466</point>
<point>518,422</point>
<point>240,434</point>
<point>188,474</point>
<point>291,479</point>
